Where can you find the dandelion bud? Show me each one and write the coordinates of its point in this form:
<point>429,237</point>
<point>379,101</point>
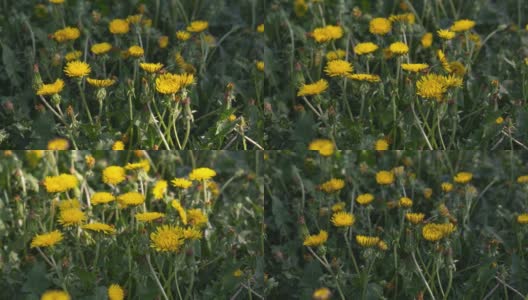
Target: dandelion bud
<point>56,99</point>
<point>100,94</point>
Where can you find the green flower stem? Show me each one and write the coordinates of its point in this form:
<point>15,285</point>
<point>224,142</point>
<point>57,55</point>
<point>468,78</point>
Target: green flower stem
<point>418,123</point>
<point>59,116</point>
<point>156,279</point>
<point>349,248</point>
<point>422,276</point>
<point>157,127</point>
<point>83,97</point>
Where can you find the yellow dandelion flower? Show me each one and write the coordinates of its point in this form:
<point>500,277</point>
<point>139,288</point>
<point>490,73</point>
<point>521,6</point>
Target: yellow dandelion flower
<point>367,241</point>
<point>116,292</point>
<point>322,294</point>
<point>463,177</point>
<point>119,26</point>
<point>181,211</point>
<point>337,54</point>
<point>327,33</point>
<point>444,211</point>
<point>522,219</point>
<point>136,51</point>
<point>414,218</point>
<point>118,146</point>
<point>381,145</point>
<point>163,41</point>
<point>66,34</point>
<point>71,217</point>
<point>73,55</point>
<point>446,187</point>
<point>384,177</point>
<point>192,234</point>
<point>338,67</point>
<point>260,65</point>
<point>99,227</point>
<point>232,117</point>
<point>58,144</point>
<point>101,83</point>
<point>315,88</point>
<point>332,185</point>
<point>67,204</point>
<point>434,232</point>
<point>113,175</point>
<point>55,294</point>
<point>183,35</point>
<point>202,174</point>
<point>339,206</point>
<point>364,77</point>
<point>151,67</point>
<point>181,183</point>
<point>167,238</point>
<point>431,86</point>
<point>365,48</point>
<point>343,219</point>
<point>77,69</point>
<point>238,273</point>
<point>414,67</point>
<point>142,164</point>
<point>453,81</point>
<point>196,218</point>
<point>60,183</point>
<point>446,34</point>
<point>364,199</point>
<point>168,83</point>
<point>316,240</point>
<point>457,68</point>
<point>399,48</point>
<point>159,189</point>
<point>522,179</point>
<point>197,26</point>
<point>380,26</point>
<point>382,246</point>
<point>405,202</point>
<point>101,198</point>
<point>443,60</point>
<point>149,216</point>
<point>131,198</point>
<point>427,40</point>
<point>101,48</point>
<point>406,18</point>
<point>323,146</point>
<point>427,192</point>
<point>56,1</point>
<point>462,25</point>
<point>260,28</point>
<point>47,239</point>
<point>134,19</point>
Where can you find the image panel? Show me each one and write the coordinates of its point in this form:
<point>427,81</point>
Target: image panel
<point>421,75</point>
<point>108,75</point>
<point>131,225</point>
<point>396,225</point>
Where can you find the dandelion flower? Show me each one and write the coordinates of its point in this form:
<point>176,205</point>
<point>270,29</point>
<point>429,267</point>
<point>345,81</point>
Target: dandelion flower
<point>427,192</point>
<point>462,25</point>
<point>365,48</point>
<point>322,294</point>
<point>159,189</point>
<point>202,174</point>
<point>446,187</point>
<point>66,34</point>
<point>183,35</point>
<point>522,179</point>
<point>414,67</point>
<point>384,177</point>
<point>168,83</point>
<point>431,86</point>
<point>67,204</point>
<point>118,146</point>
<point>443,60</point>
<point>337,54</point>
<point>399,48</point>
<point>192,234</point>
<point>131,198</point>
<point>113,175</point>
<point>446,34</point>
<point>381,145</point>
<point>380,26</point>
<point>77,69</point>
<point>364,77</point>
<point>327,33</point>
<point>522,219</point>
<point>343,219</point>
<point>116,292</point>
<point>101,198</point>
<point>51,89</point>
<point>182,183</point>
<point>463,177</point>
<point>151,67</point>
<point>260,28</point>
<point>99,227</point>
<point>315,240</point>
<point>457,68</point>
<point>55,294</point>
<point>196,218</point>
<point>181,211</point>
<point>73,55</point>
<point>405,202</point>
<point>382,246</point>
<point>260,65</point>
<point>141,165</point>
<point>407,18</point>
<point>315,88</point>
<point>364,199</point>
<point>323,146</point>
<point>60,183</point>
<point>71,217</point>
<point>101,48</point>
<point>333,185</point>
<point>167,238</point>
<point>149,216</point>
<point>58,144</point>
<point>47,239</point>
<point>163,41</point>
<point>338,67</point>
<point>119,26</point>
<point>414,218</point>
<point>56,1</point>
<point>136,51</point>
<point>101,83</point>
<point>434,232</point>
<point>367,241</point>
<point>339,206</point>
<point>427,40</point>
<point>238,273</point>
<point>197,26</point>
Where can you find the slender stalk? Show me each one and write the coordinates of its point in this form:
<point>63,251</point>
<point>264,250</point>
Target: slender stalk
<point>153,273</point>
<point>83,97</point>
<point>422,276</point>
